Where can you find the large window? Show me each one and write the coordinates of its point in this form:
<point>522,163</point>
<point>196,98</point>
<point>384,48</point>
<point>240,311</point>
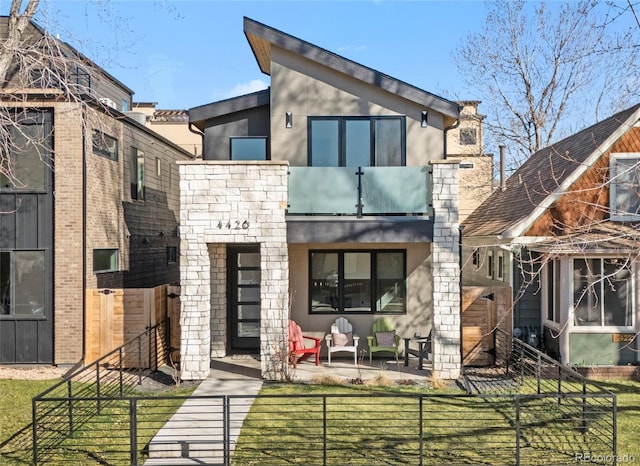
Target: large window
<point>137,174</point>
<point>625,187</point>
<point>22,283</point>
<point>602,292</point>
<point>26,154</point>
<point>356,141</point>
<point>357,281</point>
<point>248,148</point>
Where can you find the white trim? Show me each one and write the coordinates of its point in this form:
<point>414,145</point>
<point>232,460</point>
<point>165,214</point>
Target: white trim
<point>519,228</point>
<point>614,214</point>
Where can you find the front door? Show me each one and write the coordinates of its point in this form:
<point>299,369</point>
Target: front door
<point>243,268</point>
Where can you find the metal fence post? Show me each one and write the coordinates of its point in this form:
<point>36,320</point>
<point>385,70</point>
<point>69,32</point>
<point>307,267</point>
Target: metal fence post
<point>226,436</point>
<point>98,388</point>
<point>559,386</point>
<point>120,372</point>
<point>421,429</point>
<point>70,406</point>
<point>133,431</point>
<point>324,430</point>
<point>584,407</point>
<point>615,429</point>
<point>34,430</point>
<point>517,400</point>
<point>538,371</point>
<point>139,339</point>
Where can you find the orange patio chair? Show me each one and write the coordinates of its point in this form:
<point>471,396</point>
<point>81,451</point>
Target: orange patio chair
<point>298,349</point>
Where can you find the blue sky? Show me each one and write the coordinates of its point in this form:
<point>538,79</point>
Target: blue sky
<point>182,54</point>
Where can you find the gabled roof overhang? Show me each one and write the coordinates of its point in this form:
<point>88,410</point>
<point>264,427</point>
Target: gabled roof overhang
<point>262,38</point>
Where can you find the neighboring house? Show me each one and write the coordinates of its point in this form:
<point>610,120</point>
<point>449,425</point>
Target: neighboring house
<point>171,124</point>
<point>89,225</point>
<point>465,144</point>
<point>563,233</point>
<point>326,195</point>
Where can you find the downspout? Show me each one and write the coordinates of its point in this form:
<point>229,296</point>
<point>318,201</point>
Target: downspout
<point>199,133</point>
<point>448,128</point>
<point>84,236</point>
<point>460,263</point>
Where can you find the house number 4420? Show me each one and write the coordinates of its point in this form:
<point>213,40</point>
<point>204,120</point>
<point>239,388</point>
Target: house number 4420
<point>234,224</point>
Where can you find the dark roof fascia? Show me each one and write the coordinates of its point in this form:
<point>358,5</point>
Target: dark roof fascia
<point>117,114</point>
<point>81,57</point>
<point>346,66</point>
<point>197,115</point>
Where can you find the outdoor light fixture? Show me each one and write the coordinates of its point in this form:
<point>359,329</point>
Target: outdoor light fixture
<point>288,120</point>
<point>423,122</point>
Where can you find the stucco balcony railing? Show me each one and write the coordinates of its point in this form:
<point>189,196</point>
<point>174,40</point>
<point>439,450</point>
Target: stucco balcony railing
<point>359,191</point>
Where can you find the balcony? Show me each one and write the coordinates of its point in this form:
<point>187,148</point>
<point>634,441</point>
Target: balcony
<point>360,191</point>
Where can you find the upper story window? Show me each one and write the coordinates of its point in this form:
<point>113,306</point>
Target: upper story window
<point>602,292</point>
<point>468,136</point>
<point>104,145</point>
<point>357,141</point>
<point>248,148</point>
<point>137,174</point>
<point>25,151</point>
<point>624,191</point>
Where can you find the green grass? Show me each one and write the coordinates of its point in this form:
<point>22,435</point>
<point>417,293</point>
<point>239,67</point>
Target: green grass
<point>456,430</point>
<point>100,439</point>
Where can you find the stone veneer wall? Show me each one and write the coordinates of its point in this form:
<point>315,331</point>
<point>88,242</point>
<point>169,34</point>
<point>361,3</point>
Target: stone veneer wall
<point>447,361</point>
<point>231,203</point>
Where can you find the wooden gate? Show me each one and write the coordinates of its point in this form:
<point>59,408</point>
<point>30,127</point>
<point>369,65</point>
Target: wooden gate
<point>483,309</point>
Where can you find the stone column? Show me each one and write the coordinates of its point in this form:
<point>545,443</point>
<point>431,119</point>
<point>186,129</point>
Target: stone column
<point>446,335</point>
<point>224,203</point>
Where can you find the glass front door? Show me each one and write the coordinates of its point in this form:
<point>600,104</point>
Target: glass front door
<point>244,297</point>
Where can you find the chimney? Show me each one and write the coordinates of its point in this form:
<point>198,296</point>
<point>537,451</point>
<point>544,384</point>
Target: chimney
<point>503,178</point>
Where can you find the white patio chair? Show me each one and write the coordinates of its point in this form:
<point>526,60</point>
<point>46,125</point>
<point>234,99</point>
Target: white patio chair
<point>342,338</point>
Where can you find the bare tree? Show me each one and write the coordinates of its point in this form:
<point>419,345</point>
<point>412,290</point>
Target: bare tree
<point>36,66</point>
<point>538,67</point>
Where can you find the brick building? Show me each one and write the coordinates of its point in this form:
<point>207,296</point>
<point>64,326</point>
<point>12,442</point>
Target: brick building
<point>90,213</point>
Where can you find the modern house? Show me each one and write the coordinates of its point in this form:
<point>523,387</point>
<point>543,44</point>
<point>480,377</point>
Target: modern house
<point>327,195</point>
<point>90,210</point>
<point>563,232</point>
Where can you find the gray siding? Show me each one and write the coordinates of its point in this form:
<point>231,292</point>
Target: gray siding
<point>251,122</point>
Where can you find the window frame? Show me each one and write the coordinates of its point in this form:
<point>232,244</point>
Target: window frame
<point>137,174</point>
<point>373,281</point>
<point>600,282</point>
<point>12,315</point>
<point>342,143</point>
<point>243,138</point>
<point>172,254</point>
<point>113,268</point>
<point>42,120</point>
<point>553,282</point>
<point>471,133</point>
<point>99,145</point>
<point>490,264</point>
<point>616,215</point>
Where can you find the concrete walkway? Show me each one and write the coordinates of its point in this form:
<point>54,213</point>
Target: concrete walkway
<point>194,434</point>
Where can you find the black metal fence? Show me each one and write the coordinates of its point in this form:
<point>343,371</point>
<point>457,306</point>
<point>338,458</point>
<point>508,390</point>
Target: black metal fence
<point>64,410</point>
<point>340,429</point>
<point>532,411</point>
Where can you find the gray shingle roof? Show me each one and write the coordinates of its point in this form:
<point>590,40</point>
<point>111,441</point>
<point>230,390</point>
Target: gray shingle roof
<point>544,175</point>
